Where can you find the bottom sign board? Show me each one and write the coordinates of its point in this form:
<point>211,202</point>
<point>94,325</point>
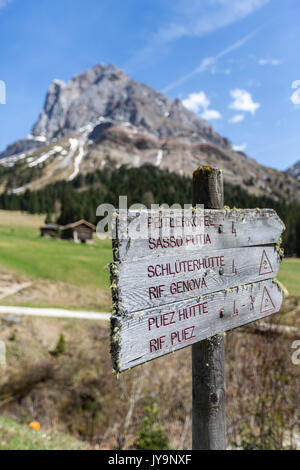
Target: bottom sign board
<point>146,335</point>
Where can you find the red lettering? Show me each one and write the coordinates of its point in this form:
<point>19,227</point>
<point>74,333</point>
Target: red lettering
<point>193,311</point>
<point>165,319</point>
<point>181,336</point>
<point>151,322</point>
<point>157,344</point>
<point>181,287</point>
<point>156,291</point>
<point>151,272</point>
<point>151,242</point>
<point>153,345</point>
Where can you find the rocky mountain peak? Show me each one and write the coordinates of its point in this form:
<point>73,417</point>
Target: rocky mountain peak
<point>294,171</point>
<point>107,92</point>
<point>103,118</point>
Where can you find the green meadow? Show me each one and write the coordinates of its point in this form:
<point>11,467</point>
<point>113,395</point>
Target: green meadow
<point>24,251</point>
<point>19,436</point>
<point>289,275</point>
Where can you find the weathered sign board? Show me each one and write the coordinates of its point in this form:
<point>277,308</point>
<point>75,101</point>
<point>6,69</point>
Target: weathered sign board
<point>186,278</point>
<point>157,331</point>
<point>193,230</point>
<point>155,281</point>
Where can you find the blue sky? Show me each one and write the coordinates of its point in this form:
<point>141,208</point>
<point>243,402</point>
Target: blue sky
<point>234,62</point>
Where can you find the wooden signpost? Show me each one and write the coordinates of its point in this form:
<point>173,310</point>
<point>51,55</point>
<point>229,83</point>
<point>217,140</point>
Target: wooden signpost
<point>188,277</point>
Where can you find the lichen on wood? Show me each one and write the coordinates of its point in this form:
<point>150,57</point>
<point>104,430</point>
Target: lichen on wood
<point>115,327</point>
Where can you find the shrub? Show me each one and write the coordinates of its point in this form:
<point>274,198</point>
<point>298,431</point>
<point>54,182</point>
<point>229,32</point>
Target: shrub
<point>61,346</point>
<point>150,436</point>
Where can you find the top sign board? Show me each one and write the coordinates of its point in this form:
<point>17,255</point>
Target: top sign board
<point>182,277</point>
<point>151,233</point>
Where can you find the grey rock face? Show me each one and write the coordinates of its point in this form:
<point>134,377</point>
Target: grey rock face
<point>52,116</point>
<point>294,171</point>
<point>107,93</point>
<point>21,146</point>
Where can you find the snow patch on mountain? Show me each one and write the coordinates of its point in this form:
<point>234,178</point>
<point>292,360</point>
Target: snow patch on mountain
<point>57,149</point>
<point>159,157</point>
<point>78,160</point>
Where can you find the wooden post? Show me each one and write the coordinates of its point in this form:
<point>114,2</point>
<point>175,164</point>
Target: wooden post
<point>208,357</point>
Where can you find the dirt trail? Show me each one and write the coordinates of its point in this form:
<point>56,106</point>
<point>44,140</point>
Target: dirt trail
<point>11,285</point>
<point>6,291</point>
<point>18,289</point>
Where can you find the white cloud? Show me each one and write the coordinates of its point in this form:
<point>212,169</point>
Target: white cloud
<point>240,148</point>
<point>295,97</point>
<point>210,61</point>
<point>2,92</point>
<point>195,18</point>
<point>269,62</point>
<point>209,114</point>
<point>237,118</point>
<point>191,18</point>
<point>198,102</point>
<point>243,101</point>
<point>195,101</point>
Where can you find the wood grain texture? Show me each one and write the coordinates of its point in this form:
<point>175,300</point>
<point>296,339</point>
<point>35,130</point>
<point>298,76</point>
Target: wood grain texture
<point>165,233</point>
<point>209,421</point>
<point>208,187</point>
<point>209,394</point>
<point>186,322</point>
<point>186,276</point>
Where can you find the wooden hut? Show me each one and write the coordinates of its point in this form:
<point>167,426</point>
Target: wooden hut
<point>50,230</point>
<point>79,232</point>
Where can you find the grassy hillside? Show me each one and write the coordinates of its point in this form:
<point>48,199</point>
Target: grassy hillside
<point>18,436</point>
<point>22,250</point>
<point>289,275</point>
<point>21,219</point>
<point>61,273</point>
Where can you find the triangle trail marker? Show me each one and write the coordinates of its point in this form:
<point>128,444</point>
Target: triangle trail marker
<point>265,265</point>
<point>267,304</point>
